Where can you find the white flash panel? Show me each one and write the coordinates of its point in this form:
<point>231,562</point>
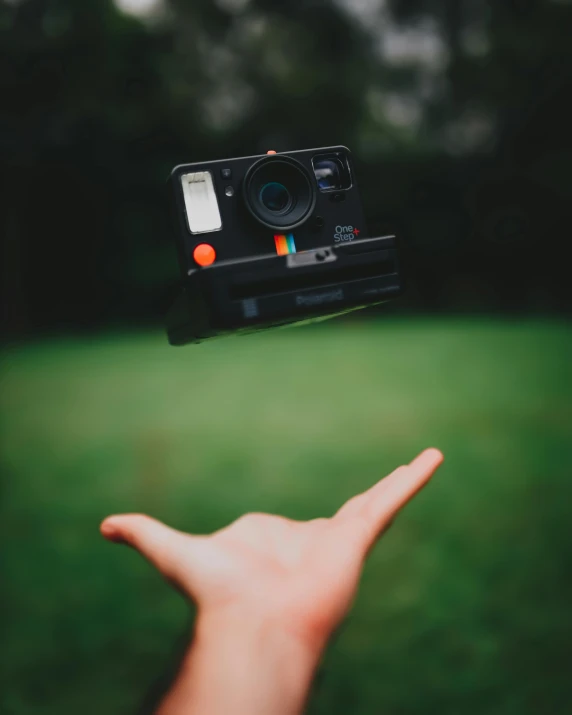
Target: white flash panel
<point>201,203</point>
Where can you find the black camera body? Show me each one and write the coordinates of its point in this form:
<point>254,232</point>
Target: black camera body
<point>273,239</point>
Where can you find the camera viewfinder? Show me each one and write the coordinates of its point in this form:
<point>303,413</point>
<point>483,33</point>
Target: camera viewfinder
<point>331,171</point>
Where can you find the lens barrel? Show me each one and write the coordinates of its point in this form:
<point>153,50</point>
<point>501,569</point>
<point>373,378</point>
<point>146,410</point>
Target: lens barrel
<point>279,192</point>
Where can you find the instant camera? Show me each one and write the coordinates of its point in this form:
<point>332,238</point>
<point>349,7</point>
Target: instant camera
<point>273,239</point>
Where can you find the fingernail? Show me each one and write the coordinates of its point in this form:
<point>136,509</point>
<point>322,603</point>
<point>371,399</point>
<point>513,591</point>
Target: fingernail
<point>430,455</point>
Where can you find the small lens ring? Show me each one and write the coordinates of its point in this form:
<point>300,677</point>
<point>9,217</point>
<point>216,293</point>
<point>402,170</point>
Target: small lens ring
<point>275,197</point>
<point>290,174</point>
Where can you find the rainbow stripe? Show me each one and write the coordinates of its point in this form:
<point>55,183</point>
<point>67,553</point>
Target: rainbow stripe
<point>284,243</point>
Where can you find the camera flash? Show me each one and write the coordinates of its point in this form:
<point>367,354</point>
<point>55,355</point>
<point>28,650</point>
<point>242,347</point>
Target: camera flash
<point>201,203</point>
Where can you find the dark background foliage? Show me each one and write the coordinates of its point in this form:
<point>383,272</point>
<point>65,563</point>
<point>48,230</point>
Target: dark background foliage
<point>456,111</point>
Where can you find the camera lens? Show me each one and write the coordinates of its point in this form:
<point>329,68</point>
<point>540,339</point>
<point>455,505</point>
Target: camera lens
<point>279,192</point>
<point>275,196</point>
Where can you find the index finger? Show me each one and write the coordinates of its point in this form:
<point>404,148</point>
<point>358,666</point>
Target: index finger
<point>375,508</point>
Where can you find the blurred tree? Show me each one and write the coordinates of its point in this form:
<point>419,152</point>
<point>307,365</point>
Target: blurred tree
<point>97,106</point>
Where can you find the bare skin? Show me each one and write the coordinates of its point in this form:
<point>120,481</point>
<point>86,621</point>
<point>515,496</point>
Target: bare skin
<point>269,591</point>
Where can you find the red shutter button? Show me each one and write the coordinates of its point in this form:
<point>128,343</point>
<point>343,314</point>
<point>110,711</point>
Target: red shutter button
<point>204,254</point>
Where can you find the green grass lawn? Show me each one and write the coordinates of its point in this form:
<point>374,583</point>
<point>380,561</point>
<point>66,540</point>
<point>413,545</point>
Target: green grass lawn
<point>464,607</point>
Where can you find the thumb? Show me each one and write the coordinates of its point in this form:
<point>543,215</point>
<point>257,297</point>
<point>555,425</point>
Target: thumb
<point>169,550</point>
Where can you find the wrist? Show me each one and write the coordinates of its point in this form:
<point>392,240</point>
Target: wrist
<point>274,630</point>
<point>243,662</point>
<point>265,655</point>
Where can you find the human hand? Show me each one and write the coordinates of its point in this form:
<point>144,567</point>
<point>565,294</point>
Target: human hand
<point>299,576</point>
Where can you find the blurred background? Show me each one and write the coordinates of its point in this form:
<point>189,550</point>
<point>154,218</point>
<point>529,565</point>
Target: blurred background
<point>458,114</point>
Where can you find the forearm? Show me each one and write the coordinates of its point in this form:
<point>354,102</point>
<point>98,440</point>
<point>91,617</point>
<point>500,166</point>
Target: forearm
<point>245,665</point>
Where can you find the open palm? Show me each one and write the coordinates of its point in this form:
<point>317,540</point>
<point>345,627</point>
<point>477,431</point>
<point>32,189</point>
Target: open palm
<point>303,574</point>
